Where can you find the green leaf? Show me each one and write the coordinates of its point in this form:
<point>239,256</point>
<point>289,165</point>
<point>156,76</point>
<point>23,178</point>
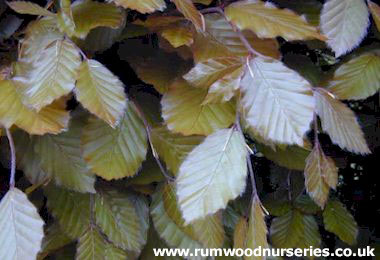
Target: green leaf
<point>338,220</point>
<point>50,119</point>
<point>284,98</point>
<point>21,227</point>
<point>100,91</point>
<point>345,24</point>
<point>89,14</point>
<point>212,174</point>
<point>292,157</point>
<point>340,123</point>
<point>60,156</point>
<point>173,148</point>
<point>53,74</point>
<point>359,78</point>
<point>143,6</point>
<point>320,173</point>
<point>24,7</point>
<point>267,21</point>
<point>71,209</point>
<point>167,229</point>
<point>277,207</point>
<point>117,216</point>
<point>257,228</point>
<point>54,239</point>
<point>306,205</point>
<point>91,245</point>
<point>295,230</point>
<point>115,153</point>
<point>184,113</point>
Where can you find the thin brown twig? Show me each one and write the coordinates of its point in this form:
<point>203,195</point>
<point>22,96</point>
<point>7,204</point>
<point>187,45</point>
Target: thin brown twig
<point>13,159</point>
<point>148,129</point>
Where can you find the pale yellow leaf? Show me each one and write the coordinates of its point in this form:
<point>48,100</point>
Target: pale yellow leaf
<point>268,21</point>
<point>184,113</point>
<point>24,7</point>
<point>212,174</point>
<point>173,148</point>
<point>187,8</point>
<point>65,19</point>
<point>375,11</point>
<point>53,74</point>
<point>345,23</point>
<point>340,123</point>
<point>50,119</point>
<point>277,101</point>
<point>115,153</point>
<point>21,227</point>
<point>143,6</point>
<point>320,173</point>
<point>240,233</point>
<point>358,78</point>
<point>100,91</point>
<point>257,228</point>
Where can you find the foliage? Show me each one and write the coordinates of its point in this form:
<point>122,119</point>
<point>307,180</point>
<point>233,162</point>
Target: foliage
<point>123,170</point>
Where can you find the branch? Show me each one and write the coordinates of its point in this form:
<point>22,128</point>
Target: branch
<point>13,159</point>
<point>148,129</point>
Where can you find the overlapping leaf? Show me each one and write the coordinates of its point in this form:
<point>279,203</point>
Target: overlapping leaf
<point>24,7</point>
<point>184,113</point>
<point>50,119</point>
<point>21,227</point>
<point>65,19</point>
<point>375,11</point>
<point>117,216</point>
<point>320,174</point>
<point>212,174</point>
<point>359,78</point>
<point>240,233</point>
<point>284,98</point>
<point>114,153</point>
<point>100,91</point>
<point>60,156</point>
<point>53,74</point>
<point>54,239</point>
<point>345,24</point>
<point>340,123</point>
<point>187,8</point>
<point>173,148</point>
<point>221,76</point>
<point>267,21</point>
<point>91,245</point>
<point>339,221</point>
<point>178,36</point>
<point>143,6</point>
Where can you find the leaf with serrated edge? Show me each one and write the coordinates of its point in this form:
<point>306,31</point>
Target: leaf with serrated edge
<point>53,74</point>
<point>50,119</point>
<point>267,21</point>
<point>167,229</point>
<point>24,7</point>
<point>220,75</point>
<point>257,228</point>
<point>338,220</point>
<point>71,209</point>
<point>318,171</point>
<point>187,8</point>
<point>88,15</point>
<point>345,24</point>
<point>359,78</point>
<point>284,98</point>
<point>117,217</point>
<point>21,227</point>
<point>340,123</point>
<point>212,174</point>
<point>184,113</point>
<point>100,91</point>
<point>115,153</point>
<point>173,148</point>
<point>60,155</point>
<point>143,6</point>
